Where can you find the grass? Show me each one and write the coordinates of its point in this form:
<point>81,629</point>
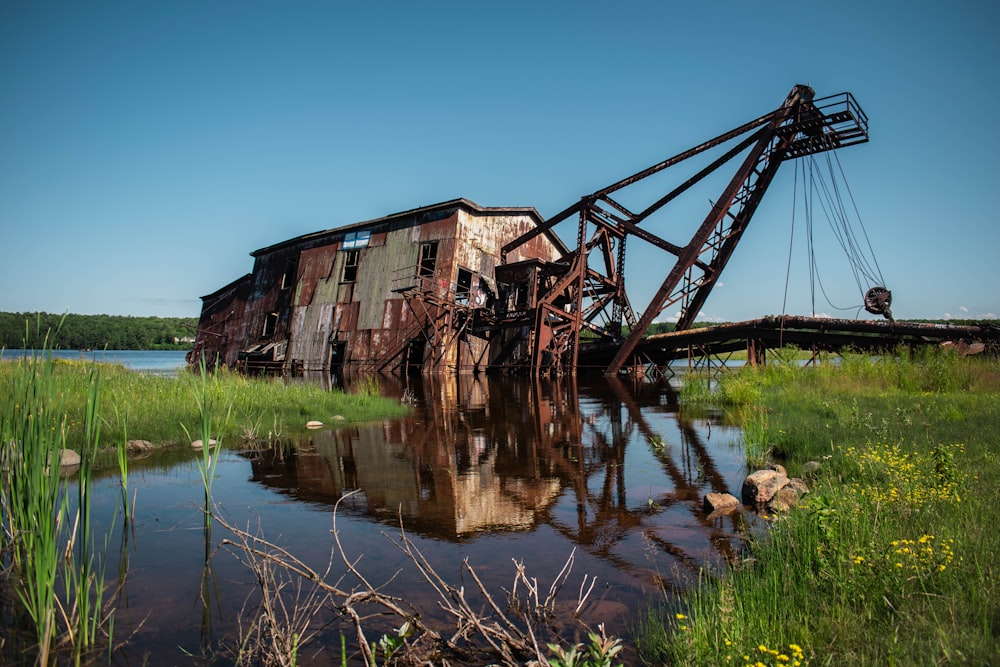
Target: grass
<point>159,409</point>
<point>46,538</point>
<point>892,559</point>
<point>52,580</point>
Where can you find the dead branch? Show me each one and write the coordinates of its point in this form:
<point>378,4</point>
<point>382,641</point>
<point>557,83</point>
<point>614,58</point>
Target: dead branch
<point>511,634</point>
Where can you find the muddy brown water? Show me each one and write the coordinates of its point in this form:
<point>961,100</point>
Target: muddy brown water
<point>495,471</point>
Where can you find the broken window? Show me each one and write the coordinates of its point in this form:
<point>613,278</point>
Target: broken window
<point>288,277</point>
<point>428,258</point>
<point>355,240</point>
<point>464,285</point>
<point>351,260</point>
<point>518,299</point>
<point>270,324</point>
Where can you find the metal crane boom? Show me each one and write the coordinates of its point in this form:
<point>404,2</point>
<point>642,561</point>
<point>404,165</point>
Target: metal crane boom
<point>570,296</point>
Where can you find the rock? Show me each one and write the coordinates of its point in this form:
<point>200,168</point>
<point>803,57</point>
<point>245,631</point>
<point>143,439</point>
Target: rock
<point>338,418</point>
<point>69,458</point>
<point>717,502</point>
<point>198,444</point>
<point>314,424</point>
<point>139,446</point>
<point>810,468</point>
<point>797,486</point>
<point>69,462</point>
<point>778,468</point>
<point>788,495</point>
<point>759,487</point>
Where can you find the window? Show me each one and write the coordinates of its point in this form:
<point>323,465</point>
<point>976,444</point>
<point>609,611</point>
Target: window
<point>464,285</point>
<point>270,324</point>
<point>288,277</point>
<point>428,259</point>
<point>355,240</point>
<point>351,260</point>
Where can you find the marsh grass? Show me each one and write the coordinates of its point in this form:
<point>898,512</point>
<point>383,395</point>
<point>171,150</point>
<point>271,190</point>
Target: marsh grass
<point>51,560</point>
<point>892,558</point>
<point>47,537</point>
<point>154,408</point>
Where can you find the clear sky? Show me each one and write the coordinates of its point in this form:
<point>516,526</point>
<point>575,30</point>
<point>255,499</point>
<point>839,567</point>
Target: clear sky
<point>146,148</point>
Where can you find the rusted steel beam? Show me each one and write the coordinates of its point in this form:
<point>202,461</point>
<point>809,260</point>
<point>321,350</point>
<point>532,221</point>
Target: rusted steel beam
<point>804,332</point>
<point>638,176</point>
<point>762,161</point>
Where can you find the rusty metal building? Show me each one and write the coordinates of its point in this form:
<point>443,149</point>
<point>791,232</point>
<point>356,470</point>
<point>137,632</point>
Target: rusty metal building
<point>400,293</point>
<point>460,287</point>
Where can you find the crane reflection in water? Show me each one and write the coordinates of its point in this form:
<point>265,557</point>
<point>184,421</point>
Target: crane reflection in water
<point>501,468</point>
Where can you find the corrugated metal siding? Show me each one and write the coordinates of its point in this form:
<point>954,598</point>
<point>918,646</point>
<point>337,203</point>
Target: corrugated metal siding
<point>314,307</point>
<point>380,267</point>
<point>222,325</point>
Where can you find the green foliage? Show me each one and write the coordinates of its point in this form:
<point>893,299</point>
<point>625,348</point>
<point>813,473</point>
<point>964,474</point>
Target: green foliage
<point>46,537</point>
<point>756,441</point>
<point>890,559</point>
<point>95,332</point>
<point>160,409</point>
<point>599,652</point>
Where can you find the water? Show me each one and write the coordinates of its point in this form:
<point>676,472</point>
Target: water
<point>494,470</point>
<point>158,362</point>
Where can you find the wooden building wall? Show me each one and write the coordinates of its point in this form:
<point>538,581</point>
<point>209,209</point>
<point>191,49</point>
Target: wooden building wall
<point>301,316</point>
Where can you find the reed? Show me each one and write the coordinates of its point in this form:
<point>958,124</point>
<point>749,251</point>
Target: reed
<point>32,437</point>
<point>205,397</point>
<point>49,536</point>
<point>84,572</point>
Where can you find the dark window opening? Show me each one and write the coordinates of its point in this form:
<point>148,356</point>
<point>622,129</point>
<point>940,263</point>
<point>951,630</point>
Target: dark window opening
<point>270,324</point>
<point>288,277</point>
<point>428,258</point>
<point>351,260</point>
<point>519,297</point>
<point>464,285</point>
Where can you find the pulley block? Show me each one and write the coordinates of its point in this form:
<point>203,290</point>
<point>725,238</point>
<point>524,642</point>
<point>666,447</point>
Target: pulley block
<point>878,301</point>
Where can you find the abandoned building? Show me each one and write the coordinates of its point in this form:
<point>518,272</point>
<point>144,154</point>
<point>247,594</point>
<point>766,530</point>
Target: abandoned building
<point>456,287</point>
<point>400,293</point>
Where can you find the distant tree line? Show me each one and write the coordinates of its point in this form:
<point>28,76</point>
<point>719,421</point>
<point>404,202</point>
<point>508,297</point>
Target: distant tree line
<point>96,332</point>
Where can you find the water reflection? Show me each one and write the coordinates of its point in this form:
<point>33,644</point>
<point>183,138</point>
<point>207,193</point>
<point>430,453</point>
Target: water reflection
<point>489,469</point>
<point>607,467</point>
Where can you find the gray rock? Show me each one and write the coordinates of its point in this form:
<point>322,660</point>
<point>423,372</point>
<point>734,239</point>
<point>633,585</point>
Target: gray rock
<point>759,487</point>
<point>139,446</point>
<point>69,458</point>
<point>717,502</point>
<point>788,496</point>
<point>198,444</point>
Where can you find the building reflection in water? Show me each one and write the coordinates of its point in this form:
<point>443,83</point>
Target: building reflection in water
<point>502,454</point>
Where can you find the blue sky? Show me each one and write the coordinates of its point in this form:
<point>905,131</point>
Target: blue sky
<point>146,148</point>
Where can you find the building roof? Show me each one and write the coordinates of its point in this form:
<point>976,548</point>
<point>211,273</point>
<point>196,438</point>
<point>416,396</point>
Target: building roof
<point>428,211</point>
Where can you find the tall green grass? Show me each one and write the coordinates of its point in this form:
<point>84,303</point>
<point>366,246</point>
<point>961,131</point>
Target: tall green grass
<point>892,559</point>
<point>154,408</point>
<point>47,538</point>
<point>53,562</point>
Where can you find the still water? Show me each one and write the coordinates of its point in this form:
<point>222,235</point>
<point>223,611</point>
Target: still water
<point>492,470</point>
<point>158,362</point>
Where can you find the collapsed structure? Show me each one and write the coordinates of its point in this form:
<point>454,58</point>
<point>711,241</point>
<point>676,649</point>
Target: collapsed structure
<point>456,286</point>
<point>409,291</point>
<point>460,287</point>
